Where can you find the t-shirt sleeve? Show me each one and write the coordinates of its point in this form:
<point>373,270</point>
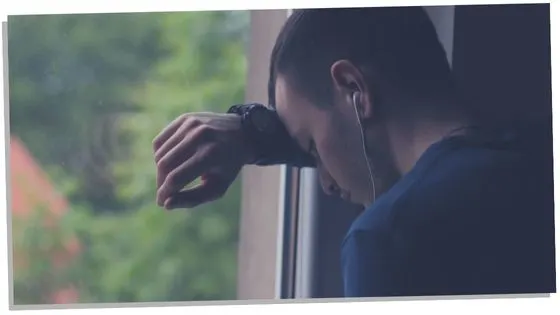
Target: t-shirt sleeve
<point>367,265</point>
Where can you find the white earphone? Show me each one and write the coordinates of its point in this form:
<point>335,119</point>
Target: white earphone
<point>355,98</point>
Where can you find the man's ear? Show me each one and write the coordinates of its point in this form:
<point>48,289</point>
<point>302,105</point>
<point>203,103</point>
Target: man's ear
<point>347,80</point>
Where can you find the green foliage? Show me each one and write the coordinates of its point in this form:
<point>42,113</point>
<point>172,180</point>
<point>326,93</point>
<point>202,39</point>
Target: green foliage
<point>88,93</point>
<point>69,75</point>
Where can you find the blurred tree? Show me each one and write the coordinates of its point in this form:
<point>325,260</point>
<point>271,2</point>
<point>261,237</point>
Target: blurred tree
<point>144,69</point>
<point>68,75</point>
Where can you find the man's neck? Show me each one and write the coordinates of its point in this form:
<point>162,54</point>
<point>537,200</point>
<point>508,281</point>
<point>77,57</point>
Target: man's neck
<point>408,139</point>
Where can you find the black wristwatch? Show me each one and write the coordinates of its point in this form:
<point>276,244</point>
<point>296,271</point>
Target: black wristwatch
<point>260,125</point>
<point>256,118</point>
<point>271,141</point>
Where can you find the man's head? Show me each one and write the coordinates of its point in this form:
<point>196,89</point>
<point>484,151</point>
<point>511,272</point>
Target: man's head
<point>389,58</point>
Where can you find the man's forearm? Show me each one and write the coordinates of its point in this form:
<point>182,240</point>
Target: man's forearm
<point>289,154</point>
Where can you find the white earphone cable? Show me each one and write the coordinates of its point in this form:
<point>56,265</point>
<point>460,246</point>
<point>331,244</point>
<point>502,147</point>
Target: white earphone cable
<point>354,99</point>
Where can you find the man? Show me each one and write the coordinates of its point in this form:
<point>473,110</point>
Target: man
<point>366,96</point>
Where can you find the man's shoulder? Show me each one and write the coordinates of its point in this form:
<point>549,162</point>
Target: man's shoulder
<point>378,218</point>
<point>451,187</point>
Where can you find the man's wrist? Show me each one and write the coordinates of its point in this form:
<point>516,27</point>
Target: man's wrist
<point>270,146</point>
<point>250,153</point>
<point>248,150</point>
<point>258,139</point>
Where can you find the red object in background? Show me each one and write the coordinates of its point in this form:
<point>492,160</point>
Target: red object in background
<point>30,189</point>
<point>30,184</point>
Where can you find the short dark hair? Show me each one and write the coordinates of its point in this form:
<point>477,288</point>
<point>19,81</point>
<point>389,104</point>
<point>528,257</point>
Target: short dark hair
<point>398,44</point>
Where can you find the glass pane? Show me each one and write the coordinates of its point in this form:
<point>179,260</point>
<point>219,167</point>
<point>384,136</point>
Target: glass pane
<point>88,93</point>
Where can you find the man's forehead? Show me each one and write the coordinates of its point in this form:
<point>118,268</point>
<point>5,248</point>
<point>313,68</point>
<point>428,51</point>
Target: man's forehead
<point>280,93</point>
<point>282,99</point>
<point>290,108</point>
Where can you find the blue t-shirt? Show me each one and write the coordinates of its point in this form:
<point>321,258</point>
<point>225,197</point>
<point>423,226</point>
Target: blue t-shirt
<point>474,216</point>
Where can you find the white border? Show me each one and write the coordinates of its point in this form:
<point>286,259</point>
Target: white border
<point>58,6</point>
<point>446,306</point>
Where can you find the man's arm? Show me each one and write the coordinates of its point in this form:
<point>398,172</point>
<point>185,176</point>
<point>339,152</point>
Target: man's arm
<point>215,147</point>
<point>290,156</point>
<point>287,153</point>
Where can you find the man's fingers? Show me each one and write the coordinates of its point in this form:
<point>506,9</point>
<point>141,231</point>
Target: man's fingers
<point>174,158</point>
<point>171,142</point>
<point>181,131</point>
<point>191,146</point>
<point>206,192</point>
<point>184,174</point>
<point>183,148</point>
<point>167,132</point>
<point>164,167</point>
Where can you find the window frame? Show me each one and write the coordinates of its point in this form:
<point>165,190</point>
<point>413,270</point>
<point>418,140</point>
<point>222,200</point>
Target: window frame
<point>263,188</point>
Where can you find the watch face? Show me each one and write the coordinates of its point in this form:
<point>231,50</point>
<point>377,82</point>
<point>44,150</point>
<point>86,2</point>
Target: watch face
<point>262,119</point>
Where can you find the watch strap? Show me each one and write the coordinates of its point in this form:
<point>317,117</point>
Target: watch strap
<point>271,148</point>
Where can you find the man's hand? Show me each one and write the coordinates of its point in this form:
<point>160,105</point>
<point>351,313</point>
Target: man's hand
<point>206,145</point>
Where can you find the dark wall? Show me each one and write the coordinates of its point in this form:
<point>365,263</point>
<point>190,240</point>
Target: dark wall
<point>501,60</point>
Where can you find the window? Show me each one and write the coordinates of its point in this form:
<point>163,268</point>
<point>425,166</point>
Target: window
<point>88,93</point>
